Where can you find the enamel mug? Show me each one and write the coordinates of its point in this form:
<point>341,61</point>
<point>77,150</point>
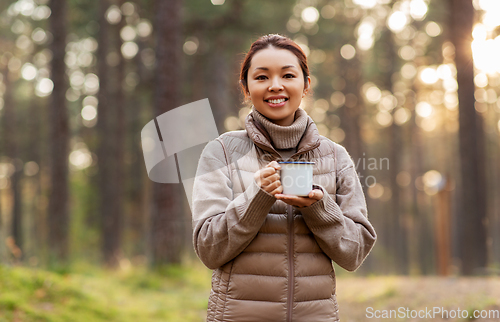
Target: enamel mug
<point>296,177</point>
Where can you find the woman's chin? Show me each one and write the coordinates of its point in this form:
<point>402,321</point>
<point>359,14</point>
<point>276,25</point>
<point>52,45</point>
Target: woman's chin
<point>283,117</point>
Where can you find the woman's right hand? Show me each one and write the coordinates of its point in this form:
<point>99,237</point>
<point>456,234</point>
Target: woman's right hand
<point>268,178</point>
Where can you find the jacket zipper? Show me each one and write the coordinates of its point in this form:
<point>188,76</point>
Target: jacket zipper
<point>291,273</point>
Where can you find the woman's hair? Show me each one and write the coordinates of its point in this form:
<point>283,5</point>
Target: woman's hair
<point>277,41</point>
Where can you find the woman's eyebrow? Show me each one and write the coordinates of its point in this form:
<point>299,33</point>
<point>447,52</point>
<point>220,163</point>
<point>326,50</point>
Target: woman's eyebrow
<point>284,67</point>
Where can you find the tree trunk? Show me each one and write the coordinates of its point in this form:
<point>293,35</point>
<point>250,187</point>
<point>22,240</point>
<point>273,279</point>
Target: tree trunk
<point>495,223</point>
<point>11,151</point>
<point>112,229</point>
<point>121,131</point>
<point>58,215</point>
<point>34,154</point>
<point>136,191</point>
<point>497,203</point>
<point>351,113</point>
<point>166,214</point>
<point>219,85</point>
<point>350,116</point>
<point>397,241</point>
<point>418,253</point>
<point>471,137</point>
<point>107,146</point>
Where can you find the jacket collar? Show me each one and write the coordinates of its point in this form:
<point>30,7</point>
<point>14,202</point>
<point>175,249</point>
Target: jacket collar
<point>258,134</point>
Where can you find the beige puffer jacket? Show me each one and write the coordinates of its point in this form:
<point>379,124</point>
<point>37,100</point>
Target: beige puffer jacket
<point>272,261</point>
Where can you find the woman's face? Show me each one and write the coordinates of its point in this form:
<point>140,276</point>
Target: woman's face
<point>276,84</point>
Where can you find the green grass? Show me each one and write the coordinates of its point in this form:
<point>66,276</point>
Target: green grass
<point>89,294</point>
<point>357,294</point>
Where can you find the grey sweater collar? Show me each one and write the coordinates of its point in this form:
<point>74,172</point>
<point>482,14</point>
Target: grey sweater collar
<point>284,137</point>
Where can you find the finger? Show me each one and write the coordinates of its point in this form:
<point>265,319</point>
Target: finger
<point>288,202</point>
<point>319,194</point>
<point>283,196</point>
<point>271,179</point>
<point>262,174</point>
<point>270,187</point>
<point>316,194</point>
<point>300,201</point>
<point>288,197</point>
<point>274,164</point>
<point>295,200</point>
<point>266,172</point>
<point>278,190</point>
<point>295,203</point>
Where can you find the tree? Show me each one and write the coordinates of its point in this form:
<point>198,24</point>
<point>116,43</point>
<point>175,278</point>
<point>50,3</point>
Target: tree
<point>397,237</point>
<point>166,212</point>
<point>471,137</point>
<point>11,150</point>
<point>137,191</point>
<point>107,146</point>
<point>115,233</point>
<point>58,212</point>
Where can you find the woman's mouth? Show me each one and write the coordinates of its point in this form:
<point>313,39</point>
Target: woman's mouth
<point>276,102</point>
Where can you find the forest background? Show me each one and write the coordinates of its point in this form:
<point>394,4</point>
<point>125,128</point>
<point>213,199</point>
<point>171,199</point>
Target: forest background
<point>409,87</point>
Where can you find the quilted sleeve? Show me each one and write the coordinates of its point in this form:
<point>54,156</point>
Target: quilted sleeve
<point>223,227</point>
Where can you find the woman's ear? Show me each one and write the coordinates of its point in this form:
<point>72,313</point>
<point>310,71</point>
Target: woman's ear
<point>307,86</point>
<point>243,84</point>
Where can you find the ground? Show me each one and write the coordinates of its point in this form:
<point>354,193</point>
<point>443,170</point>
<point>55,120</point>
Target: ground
<point>90,294</point>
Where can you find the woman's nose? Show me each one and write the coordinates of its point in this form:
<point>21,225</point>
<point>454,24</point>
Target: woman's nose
<point>276,84</point>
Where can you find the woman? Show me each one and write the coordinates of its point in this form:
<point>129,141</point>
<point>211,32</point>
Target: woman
<point>271,253</point>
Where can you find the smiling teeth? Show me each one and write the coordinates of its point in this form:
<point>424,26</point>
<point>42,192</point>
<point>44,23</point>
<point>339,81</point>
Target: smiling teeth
<point>281,100</point>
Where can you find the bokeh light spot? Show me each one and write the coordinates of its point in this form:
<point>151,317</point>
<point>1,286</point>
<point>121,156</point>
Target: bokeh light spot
<point>310,15</point>
<point>347,52</point>
<point>433,29</point>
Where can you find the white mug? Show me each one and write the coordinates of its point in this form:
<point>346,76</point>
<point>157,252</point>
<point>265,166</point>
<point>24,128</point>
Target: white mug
<point>296,177</point>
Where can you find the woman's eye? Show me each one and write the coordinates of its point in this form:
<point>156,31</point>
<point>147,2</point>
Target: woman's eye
<point>289,76</point>
<point>260,77</point>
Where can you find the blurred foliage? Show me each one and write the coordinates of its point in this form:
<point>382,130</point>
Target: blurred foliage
<point>381,69</point>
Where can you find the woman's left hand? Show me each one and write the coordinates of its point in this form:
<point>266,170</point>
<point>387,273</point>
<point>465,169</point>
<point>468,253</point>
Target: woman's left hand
<point>314,195</point>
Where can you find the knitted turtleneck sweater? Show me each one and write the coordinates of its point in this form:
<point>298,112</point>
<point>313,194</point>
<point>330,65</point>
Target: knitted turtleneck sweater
<point>284,138</point>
